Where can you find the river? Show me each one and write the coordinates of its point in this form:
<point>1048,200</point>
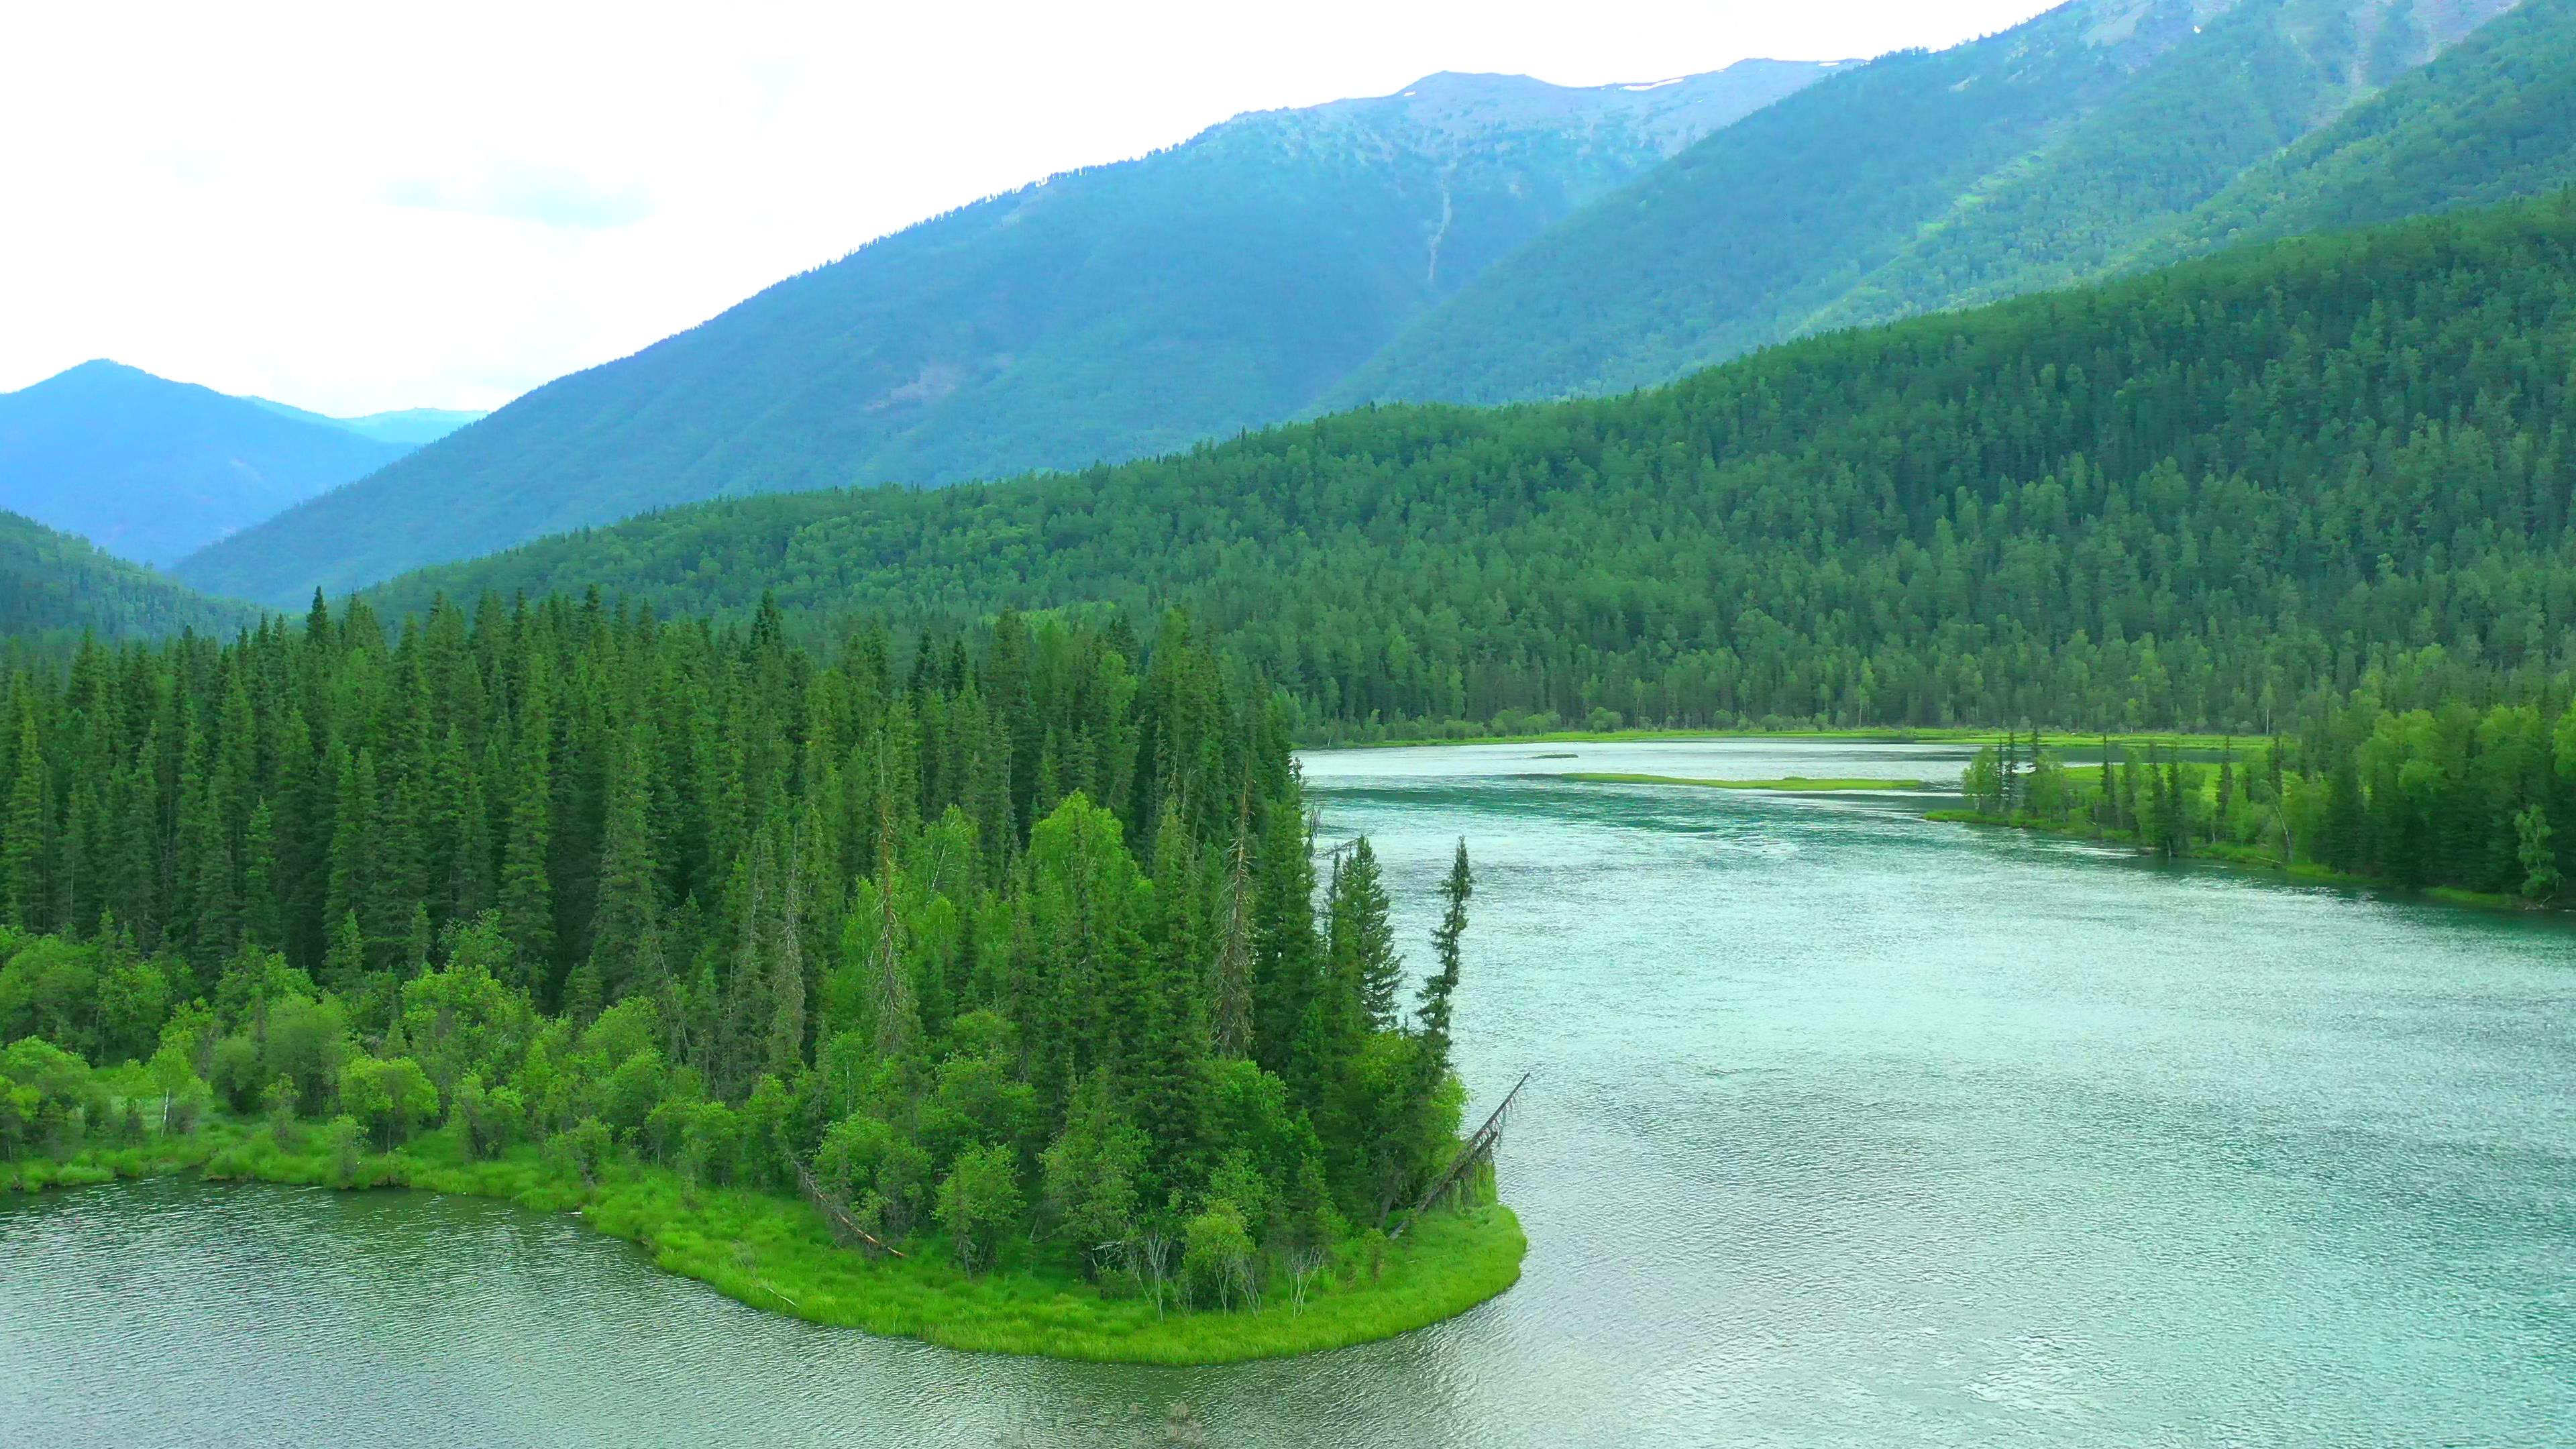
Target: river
<point>1846,1128</point>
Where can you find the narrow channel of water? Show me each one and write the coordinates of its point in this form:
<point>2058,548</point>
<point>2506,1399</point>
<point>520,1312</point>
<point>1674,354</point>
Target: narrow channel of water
<point>1847,1128</point>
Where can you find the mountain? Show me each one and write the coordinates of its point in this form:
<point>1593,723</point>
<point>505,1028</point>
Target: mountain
<point>1110,313</point>
<point>2189,498</point>
<point>409,427</point>
<point>2491,120</point>
<point>153,469</point>
<point>2055,152</point>
<point>52,584</point>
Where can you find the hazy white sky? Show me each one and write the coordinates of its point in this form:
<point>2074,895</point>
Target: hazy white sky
<point>356,207</point>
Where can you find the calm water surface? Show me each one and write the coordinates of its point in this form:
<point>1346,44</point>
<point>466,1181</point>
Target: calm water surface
<point>1847,1129</point>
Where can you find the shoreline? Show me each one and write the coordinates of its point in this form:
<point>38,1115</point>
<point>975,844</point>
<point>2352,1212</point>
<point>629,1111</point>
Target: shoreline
<point>2249,861</point>
<point>1792,784</point>
<point>777,1254</point>
<point>1872,734</point>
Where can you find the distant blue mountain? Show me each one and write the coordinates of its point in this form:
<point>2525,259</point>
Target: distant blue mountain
<point>152,470</point>
<point>410,427</point>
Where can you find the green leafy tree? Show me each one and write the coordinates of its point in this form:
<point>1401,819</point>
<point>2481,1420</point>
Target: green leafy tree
<point>979,1202</point>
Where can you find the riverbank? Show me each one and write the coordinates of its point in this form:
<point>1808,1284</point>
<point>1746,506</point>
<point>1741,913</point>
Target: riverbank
<point>1872,735</point>
<point>778,1253</point>
<point>1796,783</point>
<point>2243,858</point>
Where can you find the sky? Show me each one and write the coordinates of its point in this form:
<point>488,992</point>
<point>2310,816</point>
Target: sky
<point>357,208</point>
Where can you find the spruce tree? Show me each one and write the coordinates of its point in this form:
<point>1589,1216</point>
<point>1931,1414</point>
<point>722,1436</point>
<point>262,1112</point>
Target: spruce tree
<point>629,913</point>
<point>1230,985</point>
<point>1371,935</point>
<point>263,909</point>
<point>1287,956</point>
<point>527,882</point>
<point>30,811</point>
<point>1433,1014</point>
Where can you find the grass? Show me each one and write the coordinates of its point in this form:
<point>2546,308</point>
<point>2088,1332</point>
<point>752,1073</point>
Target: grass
<point>2243,857</point>
<point>777,1253</point>
<point>1793,782</point>
<point>1876,734</point>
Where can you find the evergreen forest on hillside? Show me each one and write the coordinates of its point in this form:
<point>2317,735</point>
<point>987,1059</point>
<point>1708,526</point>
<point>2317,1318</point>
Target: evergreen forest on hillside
<point>55,589</point>
<point>2211,498</point>
<point>1011,952</point>
<point>2489,121</point>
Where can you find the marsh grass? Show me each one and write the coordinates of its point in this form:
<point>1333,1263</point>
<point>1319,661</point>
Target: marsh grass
<point>778,1253</point>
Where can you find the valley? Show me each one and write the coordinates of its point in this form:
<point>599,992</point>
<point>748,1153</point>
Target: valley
<point>1877,748</point>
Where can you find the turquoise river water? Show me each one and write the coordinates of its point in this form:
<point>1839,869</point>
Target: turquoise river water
<point>1846,1128</point>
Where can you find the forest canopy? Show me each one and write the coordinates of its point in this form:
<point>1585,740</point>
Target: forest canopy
<point>2198,499</point>
<point>1016,941</point>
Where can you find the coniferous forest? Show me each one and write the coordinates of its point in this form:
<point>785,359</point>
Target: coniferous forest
<point>2457,798</point>
<point>1011,943</point>
<point>2207,499</point>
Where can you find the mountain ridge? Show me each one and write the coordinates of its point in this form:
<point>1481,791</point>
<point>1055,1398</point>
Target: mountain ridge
<point>1112,312</point>
<point>2041,156</point>
<point>151,469</point>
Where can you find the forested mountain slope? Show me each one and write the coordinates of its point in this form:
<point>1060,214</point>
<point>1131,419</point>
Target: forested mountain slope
<point>1106,314</point>
<point>2049,154</point>
<point>152,469</point>
<point>2188,498</point>
<point>55,586</point>
<point>2489,121</point>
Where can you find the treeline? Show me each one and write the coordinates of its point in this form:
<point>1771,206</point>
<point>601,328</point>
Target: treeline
<point>1018,937</point>
<point>2203,499</point>
<point>2480,800</point>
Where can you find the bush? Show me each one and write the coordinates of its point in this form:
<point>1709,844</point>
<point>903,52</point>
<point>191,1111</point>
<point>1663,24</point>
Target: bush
<point>581,1148</point>
<point>979,1202</point>
<point>235,1074</point>
<point>396,1096</point>
<point>279,1100</point>
<point>1216,1262</point>
<point>342,1138</point>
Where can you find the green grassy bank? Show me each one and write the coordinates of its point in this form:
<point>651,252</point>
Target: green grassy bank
<point>2241,857</point>
<point>1879,735</point>
<point>1792,782</point>
<point>778,1253</point>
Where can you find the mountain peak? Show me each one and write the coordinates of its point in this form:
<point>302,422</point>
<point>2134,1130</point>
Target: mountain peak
<point>1447,110</point>
<point>97,372</point>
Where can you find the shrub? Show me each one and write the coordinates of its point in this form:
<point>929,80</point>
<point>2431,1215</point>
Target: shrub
<point>1216,1261</point>
<point>978,1203</point>
<point>343,1137</point>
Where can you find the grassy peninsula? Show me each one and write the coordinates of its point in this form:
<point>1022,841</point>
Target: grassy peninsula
<point>779,1253</point>
<point>1005,1002</point>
